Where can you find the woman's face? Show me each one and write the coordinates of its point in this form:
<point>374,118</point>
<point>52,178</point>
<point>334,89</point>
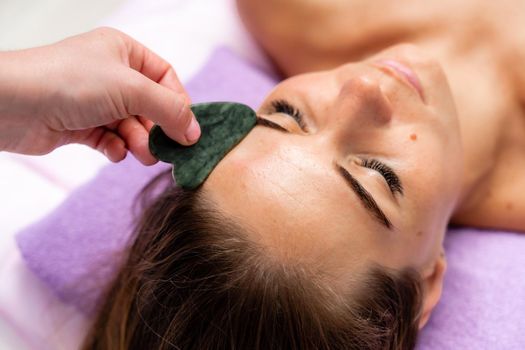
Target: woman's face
<point>370,173</point>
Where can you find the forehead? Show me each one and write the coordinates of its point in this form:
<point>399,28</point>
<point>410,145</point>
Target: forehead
<point>291,199</point>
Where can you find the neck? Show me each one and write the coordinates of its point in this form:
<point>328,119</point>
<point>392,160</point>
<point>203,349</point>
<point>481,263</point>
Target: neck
<point>490,118</point>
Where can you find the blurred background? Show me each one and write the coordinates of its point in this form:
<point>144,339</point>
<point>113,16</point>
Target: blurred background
<point>27,23</point>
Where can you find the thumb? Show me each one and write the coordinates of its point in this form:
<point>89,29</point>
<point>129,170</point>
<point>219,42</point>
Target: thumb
<point>168,108</point>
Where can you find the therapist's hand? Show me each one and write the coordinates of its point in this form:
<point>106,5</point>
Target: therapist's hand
<point>102,89</point>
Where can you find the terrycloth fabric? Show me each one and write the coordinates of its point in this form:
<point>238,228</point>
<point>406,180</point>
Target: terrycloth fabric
<point>74,249</point>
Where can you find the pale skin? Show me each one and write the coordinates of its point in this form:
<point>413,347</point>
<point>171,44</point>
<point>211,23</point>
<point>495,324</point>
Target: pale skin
<point>459,152</point>
<point>288,192</point>
<point>102,89</point>
<point>480,49</point>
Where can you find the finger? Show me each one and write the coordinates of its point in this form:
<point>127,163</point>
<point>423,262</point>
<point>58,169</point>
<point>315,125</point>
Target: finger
<point>113,147</point>
<point>136,137</point>
<point>113,126</point>
<point>153,66</point>
<point>163,106</point>
<point>103,140</point>
<point>148,124</point>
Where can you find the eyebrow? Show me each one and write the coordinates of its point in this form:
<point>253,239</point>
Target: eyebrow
<point>366,199</point>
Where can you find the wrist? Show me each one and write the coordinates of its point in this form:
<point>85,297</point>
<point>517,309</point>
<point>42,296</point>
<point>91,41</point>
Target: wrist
<point>15,85</point>
<point>6,85</point>
<point>16,107</point>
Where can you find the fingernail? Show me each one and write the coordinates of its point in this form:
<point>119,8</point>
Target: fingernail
<point>106,153</point>
<point>194,131</point>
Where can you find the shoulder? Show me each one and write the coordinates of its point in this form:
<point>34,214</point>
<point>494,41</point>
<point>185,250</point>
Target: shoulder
<point>498,200</point>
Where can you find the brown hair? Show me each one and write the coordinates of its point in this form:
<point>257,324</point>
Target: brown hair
<point>194,280</point>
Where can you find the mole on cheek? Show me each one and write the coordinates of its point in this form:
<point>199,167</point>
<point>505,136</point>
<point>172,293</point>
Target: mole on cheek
<point>413,137</point>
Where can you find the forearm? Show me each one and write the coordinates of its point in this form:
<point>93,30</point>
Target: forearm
<point>8,86</point>
<point>11,103</point>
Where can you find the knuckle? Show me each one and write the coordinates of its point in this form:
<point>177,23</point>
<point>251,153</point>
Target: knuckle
<point>106,31</point>
<point>183,115</point>
<point>110,36</point>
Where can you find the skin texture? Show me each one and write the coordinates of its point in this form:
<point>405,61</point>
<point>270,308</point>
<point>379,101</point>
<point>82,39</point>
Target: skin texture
<point>462,165</point>
<point>287,191</point>
<point>479,47</point>
<point>102,89</point>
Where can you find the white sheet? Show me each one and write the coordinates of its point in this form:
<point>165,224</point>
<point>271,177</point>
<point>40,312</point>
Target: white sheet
<point>182,31</point>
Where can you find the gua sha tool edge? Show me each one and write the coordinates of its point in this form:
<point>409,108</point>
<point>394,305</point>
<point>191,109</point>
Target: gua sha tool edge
<point>223,126</point>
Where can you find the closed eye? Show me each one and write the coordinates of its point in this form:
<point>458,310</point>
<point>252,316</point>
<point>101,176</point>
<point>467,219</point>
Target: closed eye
<point>391,178</point>
<point>268,123</point>
<point>366,199</point>
<point>282,106</point>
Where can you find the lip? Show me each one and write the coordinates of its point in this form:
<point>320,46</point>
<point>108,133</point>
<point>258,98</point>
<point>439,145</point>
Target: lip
<point>403,73</point>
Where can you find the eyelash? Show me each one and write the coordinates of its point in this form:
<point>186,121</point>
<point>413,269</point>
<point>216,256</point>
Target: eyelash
<point>390,178</point>
<point>282,106</point>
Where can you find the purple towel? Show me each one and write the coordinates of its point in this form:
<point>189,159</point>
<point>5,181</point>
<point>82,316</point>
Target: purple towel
<point>74,249</point>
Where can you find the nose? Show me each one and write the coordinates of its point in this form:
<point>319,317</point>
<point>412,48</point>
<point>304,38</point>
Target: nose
<point>362,104</point>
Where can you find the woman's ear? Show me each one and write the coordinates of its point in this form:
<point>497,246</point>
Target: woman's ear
<point>432,287</point>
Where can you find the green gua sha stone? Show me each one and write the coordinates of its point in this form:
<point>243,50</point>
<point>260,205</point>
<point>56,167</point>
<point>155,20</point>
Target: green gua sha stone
<point>223,125</point>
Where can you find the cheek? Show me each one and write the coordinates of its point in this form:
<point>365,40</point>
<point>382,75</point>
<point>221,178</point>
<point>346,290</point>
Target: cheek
<point>432,176</point>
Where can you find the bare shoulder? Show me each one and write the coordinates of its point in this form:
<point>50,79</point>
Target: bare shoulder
<point>498,201</point>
